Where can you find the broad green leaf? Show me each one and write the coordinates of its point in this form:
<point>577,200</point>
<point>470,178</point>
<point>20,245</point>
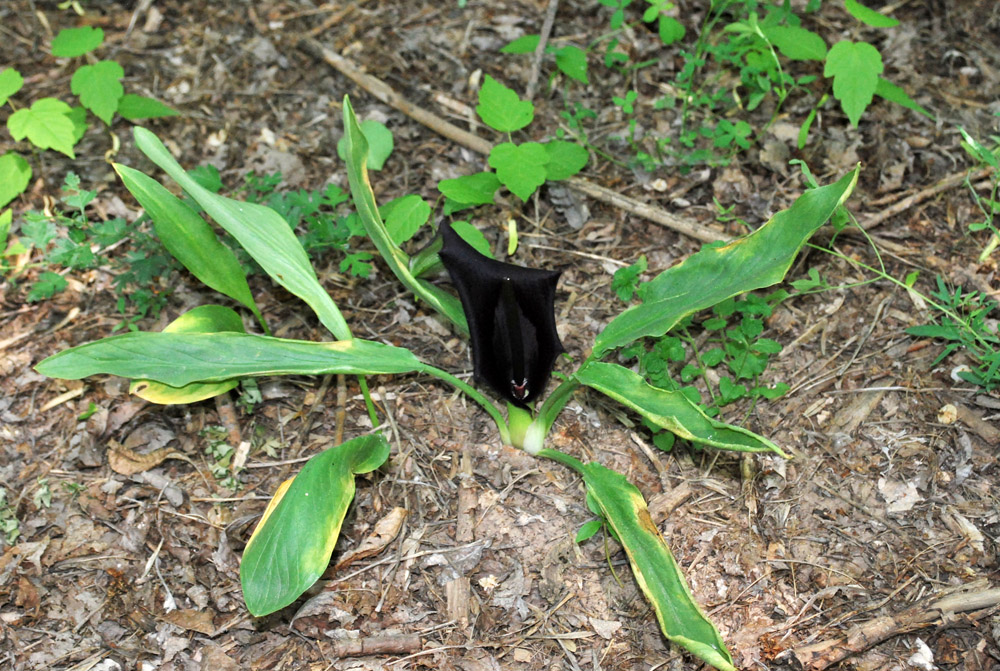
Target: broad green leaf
<point>189,238</point>
<point>78,117</point>
<point>520,167</point>
<point>45,124</point>
<point>292,544</point>
<point>473,236</point>
<point>364,203</point>
<point>260,231</point>
<point>869,16</point>
<point>526,44</point>
<point>654,567</point>
<point>73,42</point>
<point>99,87</point>
<point>669,410</point>
<point>855,68</point>
<point>795,43</point>
<point>588,530</point>
<point>889,91</point>
<point>177,359</point>
<point>714,274</point>
<point>404,216</point>
<point>501,109</point>
<point>380,143</point>
<point>477,189</point>
<point>573,63</point>
<point>202,319</point>
<point>10,83</point>
<point>134,107</point>
<point>565,159</point>
<point>669,29</point>
<point>15,173</point>
<point>5,219</point>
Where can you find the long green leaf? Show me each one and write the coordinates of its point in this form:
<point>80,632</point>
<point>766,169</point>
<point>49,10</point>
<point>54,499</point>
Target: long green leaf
<point>177,359</point>
<point>654,567</point>
<point>670,410</point>
<point>189,238</point>
<point>292,544</point>
<point>396,258</point>
<point>261,231</point>
<point>202,319</point>
<point>714,274</point>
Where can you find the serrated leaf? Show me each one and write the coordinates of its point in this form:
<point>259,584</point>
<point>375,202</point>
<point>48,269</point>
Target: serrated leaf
<point>73,42</point>
<point>46,124</point>
<point>404,216</point>
<point>133,107</point>
<point>855,68</point>
<point>15,173</point>
<point>501,109</point>
<point>11,82</point>
<point>99,87</point>
<point>521,168</point>
<point>869,16</point>
<point>889,91</point>
<point>46,286</point>
<point>796,43</point>
<point>572,61</point>
<point>477,189</point>
<point>380,143</point>
<point>526,44</point>
<point>565,159</point>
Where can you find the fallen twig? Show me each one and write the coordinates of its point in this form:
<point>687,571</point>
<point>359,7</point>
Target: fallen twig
<point>543,39</point>
<point>389,96</point>
<point>949,182</point>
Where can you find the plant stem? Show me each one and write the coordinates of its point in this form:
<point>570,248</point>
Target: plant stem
<point>369,404</point>
<point>569,462</point>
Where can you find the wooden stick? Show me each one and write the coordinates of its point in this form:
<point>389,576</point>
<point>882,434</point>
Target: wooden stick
<point>948,182</point>
<point>389,96</point>
<point>543,39</point>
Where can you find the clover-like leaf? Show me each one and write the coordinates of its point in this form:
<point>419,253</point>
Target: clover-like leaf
<point>11,82</point>
<point>73,42</point>
<point>99,87</point>
<point>501,109</point>
<point>855,68</point>
<point>565,159</point>
<point>521,168</point>
<point>404,216</point>
<point>477,189</point>
<point>15,173</point>
<point>46,124</point>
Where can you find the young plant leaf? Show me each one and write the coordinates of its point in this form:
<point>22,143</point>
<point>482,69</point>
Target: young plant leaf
<point>404,216</point>
<point>10,83</point>
<point>476,189</point>
<point>134,107</point>
<point>380,143</point>
<point>99,87</point>
<point>511,318</point>
<point>526,44</point>
<point>889,91</point>
<point>46,124</point>
<point>501,109</point>
<point>292,544</point>
<point>202,319</point>
<point>73,42</point>
<point>189,238</point>
<point>869,16</point>
<point>855,68</point>
<point>714,274</point>
<point>564,159</point>
<point>670,410</point>
<point>520,167</point>
<point>572,61</point>
<point>364,203</point>
<point>15,173</point>
<point>177,359</point>
<point>473,236</point>
<point>654,567</point>
<point>795,43</point>
<point>260,231</point>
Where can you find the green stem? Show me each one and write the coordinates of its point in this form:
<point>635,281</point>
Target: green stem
<point>369,404</point>
<point>569,462</point>
<point>476,396</point>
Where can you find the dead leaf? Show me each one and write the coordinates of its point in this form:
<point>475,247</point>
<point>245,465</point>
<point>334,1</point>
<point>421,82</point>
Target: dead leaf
<point>193,619</point>
<point>128,462</point>
<point>385,531</point>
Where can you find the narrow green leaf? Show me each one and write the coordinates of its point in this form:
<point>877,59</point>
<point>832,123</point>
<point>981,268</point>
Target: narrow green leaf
<point>869,16</point>
<point>526,44</point>
<point>5,220</point>
<point>654,567</point>
<point>404,216</point>
<point>189,238</point>
<point>795,43</point>
<point>73,42</point>
<point>477,189</point>
<point>572,61</point>
<point>45,124</point>
<point>10,83</point>
<point>134,107</point>
<point>292,544</point>
<point>473,236</point>
<point>565,159</point>
<point>670,410</point>
<point>202,319</point>
<point>889,91</point>
<point>855,68</point>
<point>177,359</point>
<point>99,87</point>
<point>15,173</point>
<point>714,274</point>
<point>261,231</point>
<point>380,143</point>
<point>501,109</point>
<point>520,167</point>
<point>364,202</point>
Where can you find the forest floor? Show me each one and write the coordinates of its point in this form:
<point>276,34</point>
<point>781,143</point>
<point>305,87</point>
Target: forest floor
<point>839,557</point>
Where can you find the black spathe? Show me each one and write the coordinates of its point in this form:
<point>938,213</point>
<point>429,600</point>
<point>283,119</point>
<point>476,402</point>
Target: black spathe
<point>511,315</point>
